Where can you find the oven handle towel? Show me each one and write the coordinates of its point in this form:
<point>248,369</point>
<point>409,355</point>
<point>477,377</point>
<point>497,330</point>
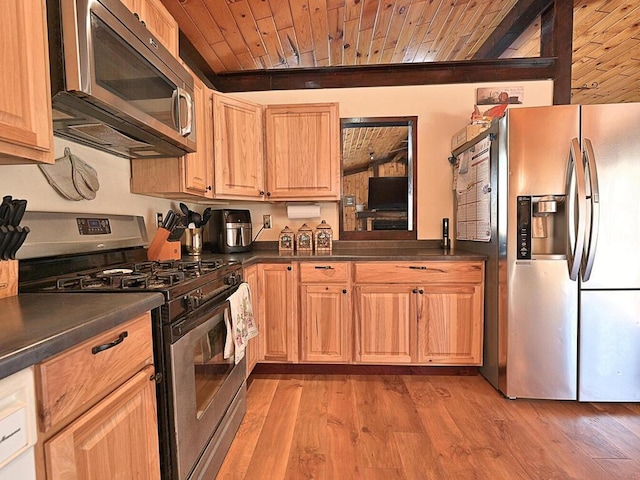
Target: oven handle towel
<point>242,323</point>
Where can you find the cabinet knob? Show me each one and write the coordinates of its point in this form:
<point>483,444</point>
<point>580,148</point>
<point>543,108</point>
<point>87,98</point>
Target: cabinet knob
<point>261,193</point>
<point>209,187</point>
<point>415,290</point>
<point>344,291</point>
<point>420,291</point>
<point>268,194</point>
<point>289,268</point>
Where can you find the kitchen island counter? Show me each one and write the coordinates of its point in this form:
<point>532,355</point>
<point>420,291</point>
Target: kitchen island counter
<point>37,326</point>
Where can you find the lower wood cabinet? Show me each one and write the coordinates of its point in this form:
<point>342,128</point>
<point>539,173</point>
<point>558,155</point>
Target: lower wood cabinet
<point>277,313</point>
<point>252,351</point>
<point>97,408</point>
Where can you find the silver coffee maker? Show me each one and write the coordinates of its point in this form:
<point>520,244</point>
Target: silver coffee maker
<point>230,231</point>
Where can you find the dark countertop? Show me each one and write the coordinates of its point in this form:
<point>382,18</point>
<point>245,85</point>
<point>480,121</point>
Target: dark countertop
<point>411,254</point>
<point>36,326</point>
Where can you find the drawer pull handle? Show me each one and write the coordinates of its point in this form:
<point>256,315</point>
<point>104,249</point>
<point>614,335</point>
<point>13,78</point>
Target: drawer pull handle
<point>323,267</point>
<point>107,346</point>
<point>414,267</point>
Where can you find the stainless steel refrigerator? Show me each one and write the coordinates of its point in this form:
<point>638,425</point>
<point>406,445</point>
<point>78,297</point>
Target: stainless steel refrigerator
<point>562,305</point>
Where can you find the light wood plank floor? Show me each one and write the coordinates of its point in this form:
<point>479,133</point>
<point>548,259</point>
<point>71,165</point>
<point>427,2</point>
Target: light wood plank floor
<point>333,427</point>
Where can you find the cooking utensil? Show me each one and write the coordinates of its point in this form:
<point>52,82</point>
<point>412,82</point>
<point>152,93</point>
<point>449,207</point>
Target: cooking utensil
<point>196,218</point>
<point>21,238</point>
<point>206,215</point>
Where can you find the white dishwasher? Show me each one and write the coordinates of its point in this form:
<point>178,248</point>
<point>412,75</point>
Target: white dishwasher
<point>17,426</point>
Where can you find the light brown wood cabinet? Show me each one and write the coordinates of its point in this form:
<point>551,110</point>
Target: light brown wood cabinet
<point>325,313</point>
<point>303,151</point>
<point>158,21</point>
<point>26,129</point>
<point>238,148</point>
<point>187,177</point>
<point>250,275</point>
<point>277,313</point>
<point>428,313</point>
<point>97,408</point>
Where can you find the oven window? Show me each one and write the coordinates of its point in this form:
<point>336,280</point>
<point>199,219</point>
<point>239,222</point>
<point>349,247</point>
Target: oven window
<point>126,74</point>
<point>210,366</point>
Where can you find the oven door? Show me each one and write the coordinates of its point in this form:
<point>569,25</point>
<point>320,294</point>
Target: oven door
<point>204,383</point>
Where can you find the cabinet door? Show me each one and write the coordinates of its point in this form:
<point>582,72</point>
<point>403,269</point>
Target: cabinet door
<point>26,131</point>
<point>385,323</point>
<point>325,324</point>
<point>250,275</point>
<point>118,438</point>
<point>277,307</point>
<point>450,325</point>
<point>303,151</point>
<point>198,166</point>
<point>159,22</point>
<point>238,148</point>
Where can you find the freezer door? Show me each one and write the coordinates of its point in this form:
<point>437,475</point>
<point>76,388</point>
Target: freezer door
<point>613,133</point>
<point>542,331</point>
<point>609,348</point>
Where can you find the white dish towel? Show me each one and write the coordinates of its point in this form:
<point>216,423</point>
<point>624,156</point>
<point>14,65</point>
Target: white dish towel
<point>241,327</point>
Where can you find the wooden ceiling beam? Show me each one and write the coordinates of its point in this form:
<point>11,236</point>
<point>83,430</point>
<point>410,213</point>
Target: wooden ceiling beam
<point>431,73</point>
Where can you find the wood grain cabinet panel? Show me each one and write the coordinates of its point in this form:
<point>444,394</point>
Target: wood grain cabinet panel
<point>158,21</point>
<point>26,128</point>
<point>238,148</point>
<point>303,151</point>
<point>277,307</point>
<point>116,439</point>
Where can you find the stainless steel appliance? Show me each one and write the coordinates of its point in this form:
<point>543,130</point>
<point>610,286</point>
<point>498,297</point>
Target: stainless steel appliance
<point>201,394</point>
<point>114,86</point>
<point>230,231</point>
<point>563,270</point>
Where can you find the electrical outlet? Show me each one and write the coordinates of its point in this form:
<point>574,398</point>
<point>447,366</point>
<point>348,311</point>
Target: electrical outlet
<point>266,221</point>
<point>158,219</point>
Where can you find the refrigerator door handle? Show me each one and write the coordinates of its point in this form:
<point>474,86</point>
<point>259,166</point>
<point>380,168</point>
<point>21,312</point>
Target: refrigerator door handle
<point>575,190</point>
<point>594,204</point>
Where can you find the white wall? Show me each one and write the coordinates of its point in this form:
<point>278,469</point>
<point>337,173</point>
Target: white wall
<point>442,110</point>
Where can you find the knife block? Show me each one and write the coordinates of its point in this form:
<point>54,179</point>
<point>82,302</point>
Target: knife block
<point>8,278</point>
<point>161,249</point>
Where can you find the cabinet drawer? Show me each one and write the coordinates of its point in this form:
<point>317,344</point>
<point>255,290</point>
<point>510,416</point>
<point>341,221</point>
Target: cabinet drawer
<point>324,272</point>
<point>77,378</point>
<point>419,272</point>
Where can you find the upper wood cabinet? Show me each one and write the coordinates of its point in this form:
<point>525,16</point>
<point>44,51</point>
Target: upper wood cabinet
<point>26,129</point>
<point>238,148</point>
<point>186,177</point>
<point>158,21</point>
<point>303,151</point>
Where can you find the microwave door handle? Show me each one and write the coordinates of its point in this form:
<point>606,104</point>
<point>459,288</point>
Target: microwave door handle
<point>175,108</point>
<point>185,130</point>
<point>594,199</point>
<point>576,204</point>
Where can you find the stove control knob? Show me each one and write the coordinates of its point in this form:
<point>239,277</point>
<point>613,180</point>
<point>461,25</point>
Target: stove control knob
<point>232,279</point>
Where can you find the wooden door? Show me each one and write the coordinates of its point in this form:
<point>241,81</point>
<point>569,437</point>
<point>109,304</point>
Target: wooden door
<point>303,151</point>
<point>198,166</point>
<point>160,23</point>
<point>250,275</point>
<point>238,148</point>
<point>118,438</point>
<point>277,306</point>
<point>385,324</point>
<point>325,322</point>
<point>26,129</point>
<point>450,325</point>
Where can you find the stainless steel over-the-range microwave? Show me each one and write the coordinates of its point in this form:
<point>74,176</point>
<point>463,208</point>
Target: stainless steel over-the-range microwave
<point>115,87</point>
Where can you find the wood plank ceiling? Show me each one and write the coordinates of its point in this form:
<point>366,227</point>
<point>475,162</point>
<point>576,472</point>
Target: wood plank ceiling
<point>234,36</point>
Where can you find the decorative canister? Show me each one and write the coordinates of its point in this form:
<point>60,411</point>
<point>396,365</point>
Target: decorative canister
<point>304,239</point>
<point>286,240</point>
<point>323,237</point>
